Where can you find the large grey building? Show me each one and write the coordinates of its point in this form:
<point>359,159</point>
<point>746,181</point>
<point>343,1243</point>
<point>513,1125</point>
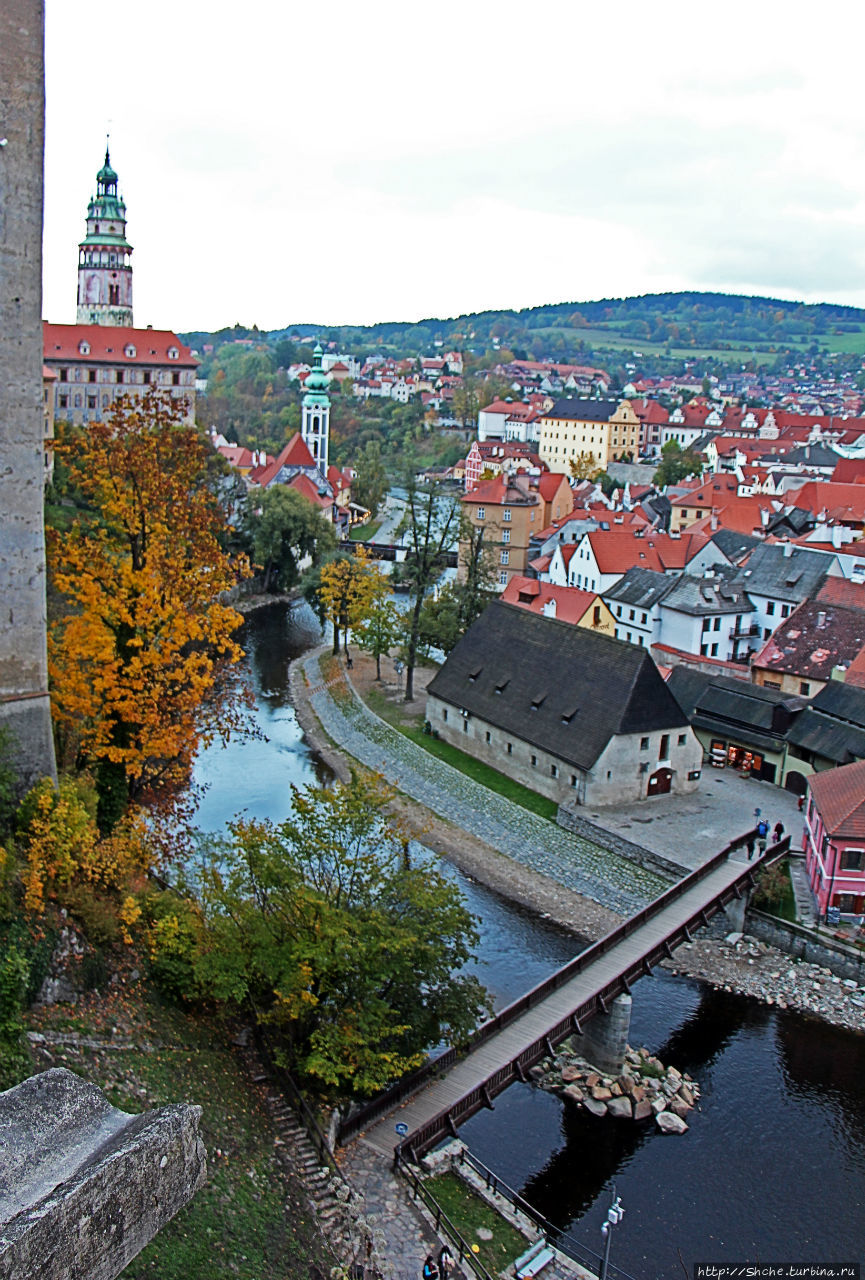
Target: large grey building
<point>568,712</point>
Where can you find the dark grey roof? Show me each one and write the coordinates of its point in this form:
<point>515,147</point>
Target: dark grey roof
<point>643,587</point>
<point>708,595</point>
<point>735,546</point>
<point>583,410</point>
<point>794,576</point>
<point>834,724</point>
<point>813,455</point>
<point>724,705</point>
<point>796,519</point>
<point>564,689</point>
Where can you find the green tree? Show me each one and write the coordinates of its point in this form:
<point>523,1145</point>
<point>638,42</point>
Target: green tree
<point>345,588</point>
<point>382,623</point>
<point>353,954</point>
<point>283,528</point>
<point>677,464</point>
<point>370,483</point>
<point>432,525</point>
<point>584,466</point>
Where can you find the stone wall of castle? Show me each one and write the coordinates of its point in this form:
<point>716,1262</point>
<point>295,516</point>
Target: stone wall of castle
<point>24,705</point>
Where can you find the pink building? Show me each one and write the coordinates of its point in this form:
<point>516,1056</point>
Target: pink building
<point>834,838</point>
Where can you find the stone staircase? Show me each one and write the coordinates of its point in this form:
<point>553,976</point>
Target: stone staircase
<point>297,1154</point>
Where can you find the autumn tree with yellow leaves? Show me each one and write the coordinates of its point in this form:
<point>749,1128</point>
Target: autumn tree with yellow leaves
<point>142,657</point>
<point>345,592</point>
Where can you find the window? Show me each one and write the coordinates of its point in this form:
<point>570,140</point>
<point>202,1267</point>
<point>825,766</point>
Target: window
<point>644,744</point>
<point>682,739</point>
<point>510,748</point>
<point>785,610</point>
<point>506,514</point>
<point>853,859</point>
<point>130,351</point>
<point>506,535</point>
<point>175,379</point>
<point>465,726</point>
<point>504,556</point>
<point>145,377</point>
<point>64,375</point>
<point>804,687</point>
<point>631,616</point>
<point>554,770</point>
<point>596,616</point>
<point>770,608</point>
<point>91,375</point>
<point>665,746</point>
<point>707,622</point>
<point>714,653</point>
<point>91,402</point>
<point>489,737</point>
<point>445,713</point>
<point>173,353</point>
<point>78,402</point>
<point>64,402</point>
<point>643,619</point>
<point>716,625</point>
<point>573,779</point>
<point>534,762</point>
<point>503,578</point>
<point>482,511</point>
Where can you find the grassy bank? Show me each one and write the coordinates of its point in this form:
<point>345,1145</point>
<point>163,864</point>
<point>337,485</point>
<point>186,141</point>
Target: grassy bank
<point>498,1243</point>
<point>250,1220</point>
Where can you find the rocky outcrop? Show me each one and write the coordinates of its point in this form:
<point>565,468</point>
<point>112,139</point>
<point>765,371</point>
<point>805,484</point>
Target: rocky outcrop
<point>83,1186</point>
<point>642,1090</point>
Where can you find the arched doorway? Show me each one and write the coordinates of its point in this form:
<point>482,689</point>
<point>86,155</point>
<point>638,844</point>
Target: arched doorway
<point>660,782</point>
<point>796,782</point>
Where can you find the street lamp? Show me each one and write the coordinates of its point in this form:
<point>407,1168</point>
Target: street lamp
<point>615,1213</point>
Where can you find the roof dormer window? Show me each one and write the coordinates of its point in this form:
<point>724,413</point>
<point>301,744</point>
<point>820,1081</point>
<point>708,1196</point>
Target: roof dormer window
<point>84,347</point>
<point>173,353</point>
<point>130,351</point>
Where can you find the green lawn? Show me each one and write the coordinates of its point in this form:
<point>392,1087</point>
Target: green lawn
<point>467,1212</point>
<point>363,532</point>
<point>774,892</point>
<point>475,769</point>
<point>247,1221</point>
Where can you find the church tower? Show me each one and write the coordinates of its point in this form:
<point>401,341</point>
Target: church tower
<point>104,266</point>
<point>315,414</point>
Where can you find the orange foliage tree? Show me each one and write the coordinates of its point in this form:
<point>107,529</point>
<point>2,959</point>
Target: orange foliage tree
<point>141,654</point>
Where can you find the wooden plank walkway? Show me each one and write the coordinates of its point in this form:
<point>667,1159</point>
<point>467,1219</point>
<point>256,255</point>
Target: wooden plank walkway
<point>482,1062</point>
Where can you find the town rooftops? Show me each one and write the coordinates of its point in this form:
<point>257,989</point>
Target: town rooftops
<point>815,640</point>
<point>110,344</point>
<point>785,572</point>
<point>567,604</point>
<point>641,587</point>
<point>707,595</point>
<point>840,797</point>
<point>833,724</point>
<point>566,689</point>
<point>726,706</point>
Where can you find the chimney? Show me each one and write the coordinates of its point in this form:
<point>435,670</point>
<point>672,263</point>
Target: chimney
<point>821,619</point>
<point>788,550</point>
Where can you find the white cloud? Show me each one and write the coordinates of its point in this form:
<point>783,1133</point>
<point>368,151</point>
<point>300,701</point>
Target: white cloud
<point>354,163</point>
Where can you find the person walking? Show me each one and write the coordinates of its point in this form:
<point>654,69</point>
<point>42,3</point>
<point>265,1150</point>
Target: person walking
<point>749,845</point>
<point>778,833</point>
<point>445,1263</point>
<point>762,836</point>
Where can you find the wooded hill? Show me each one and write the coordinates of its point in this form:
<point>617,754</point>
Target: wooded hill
<point>709,326</point>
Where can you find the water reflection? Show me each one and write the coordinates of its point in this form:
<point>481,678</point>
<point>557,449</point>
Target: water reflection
<point>255,775</point>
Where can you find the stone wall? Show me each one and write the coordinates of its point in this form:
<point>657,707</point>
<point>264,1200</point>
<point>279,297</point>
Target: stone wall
<point>24,706</point>
<point>830,954</point>
<point>569,818</point>
<point>83,1186</point>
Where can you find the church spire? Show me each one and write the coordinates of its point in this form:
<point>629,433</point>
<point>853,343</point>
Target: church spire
<point>104,266</point>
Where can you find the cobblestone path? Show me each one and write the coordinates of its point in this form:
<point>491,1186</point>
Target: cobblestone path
<point>586,868</point>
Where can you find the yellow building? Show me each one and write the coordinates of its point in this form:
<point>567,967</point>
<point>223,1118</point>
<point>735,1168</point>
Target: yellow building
<point>606,429</point>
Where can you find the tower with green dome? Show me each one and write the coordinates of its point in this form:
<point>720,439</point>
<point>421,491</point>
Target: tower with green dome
<point>104,257</point>
<point>315,413</point>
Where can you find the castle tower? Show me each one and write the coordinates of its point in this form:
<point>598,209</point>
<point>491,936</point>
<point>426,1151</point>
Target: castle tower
<point>104,267</point>
<point>315,414</point>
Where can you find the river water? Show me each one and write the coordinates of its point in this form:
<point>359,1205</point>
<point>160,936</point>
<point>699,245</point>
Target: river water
<point>772,1169</point>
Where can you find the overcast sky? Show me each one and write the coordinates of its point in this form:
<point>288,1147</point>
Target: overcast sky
<point>348,163</point>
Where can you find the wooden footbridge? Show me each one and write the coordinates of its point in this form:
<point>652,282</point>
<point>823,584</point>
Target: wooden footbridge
<point>429,1104</point>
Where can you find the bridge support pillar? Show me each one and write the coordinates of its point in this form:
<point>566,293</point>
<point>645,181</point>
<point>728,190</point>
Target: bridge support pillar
<point>605,1038</point>
<point>734,912</point>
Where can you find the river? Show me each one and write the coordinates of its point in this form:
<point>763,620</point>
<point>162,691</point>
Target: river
<point>772,1168</point>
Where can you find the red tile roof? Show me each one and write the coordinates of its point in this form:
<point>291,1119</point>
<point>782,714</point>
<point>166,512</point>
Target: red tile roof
<point>109,345</point>
<point>839,795</point>
<point>840,501</point>
<point>295,454</point>
<point>571,603</point>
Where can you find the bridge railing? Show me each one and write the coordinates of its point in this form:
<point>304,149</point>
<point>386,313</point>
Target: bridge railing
<point>443,1224</point>
<point>559,1237</point>
<point>410,1083</point>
